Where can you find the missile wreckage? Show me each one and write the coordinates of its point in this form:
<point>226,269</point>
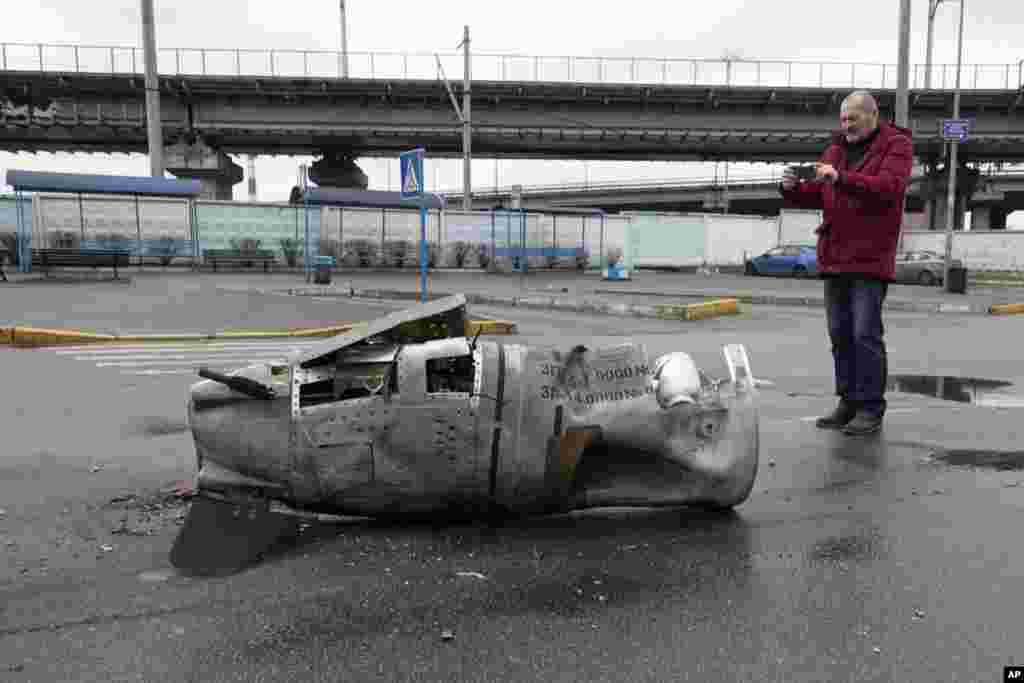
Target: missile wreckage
<point>406,416</point>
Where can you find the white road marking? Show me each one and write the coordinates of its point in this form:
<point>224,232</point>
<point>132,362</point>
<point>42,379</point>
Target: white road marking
<point>152,373</point>
<point>183,356</point>
<point>105,349</point>
<point>175,358</point>
<point>233,360</point>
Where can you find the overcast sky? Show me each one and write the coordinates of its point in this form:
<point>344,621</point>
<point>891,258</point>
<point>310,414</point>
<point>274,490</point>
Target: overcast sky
<point>861,31</point>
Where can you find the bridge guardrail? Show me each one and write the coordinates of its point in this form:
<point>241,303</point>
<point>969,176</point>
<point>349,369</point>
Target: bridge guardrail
<point>43,57</point>
<point>680,183</point>
<point>613,185</point>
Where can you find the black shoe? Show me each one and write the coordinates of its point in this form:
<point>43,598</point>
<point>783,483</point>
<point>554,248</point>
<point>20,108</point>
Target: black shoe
<point>863,424</point>
<point>838,418</point>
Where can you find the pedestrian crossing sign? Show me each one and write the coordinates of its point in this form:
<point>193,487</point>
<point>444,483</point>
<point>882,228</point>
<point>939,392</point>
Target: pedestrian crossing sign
<point>412,173</point>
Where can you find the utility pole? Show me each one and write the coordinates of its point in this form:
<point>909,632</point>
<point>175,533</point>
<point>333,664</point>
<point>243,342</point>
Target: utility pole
<point>903,91</point>
<point>903,71</point>
<point>154,132</point>
<point>933,7</point>
<point>344,41</point>
<point>467,131</point>
<point>954,148</point>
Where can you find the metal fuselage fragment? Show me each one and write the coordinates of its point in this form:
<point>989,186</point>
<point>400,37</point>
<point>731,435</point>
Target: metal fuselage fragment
<point>449,423</point>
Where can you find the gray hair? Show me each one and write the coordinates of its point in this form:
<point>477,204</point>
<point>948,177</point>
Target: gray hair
<point>862,98</point>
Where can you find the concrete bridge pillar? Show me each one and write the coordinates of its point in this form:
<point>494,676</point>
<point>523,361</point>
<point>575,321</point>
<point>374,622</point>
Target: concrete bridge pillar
<point>214,169</point>
<point>338,169</point>
<point>988,217</point>
<point>934,192</point>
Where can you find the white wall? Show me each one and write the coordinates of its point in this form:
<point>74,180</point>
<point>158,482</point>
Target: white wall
<point>797,226</point>
<point>979,250</point>
<point>730,239</point>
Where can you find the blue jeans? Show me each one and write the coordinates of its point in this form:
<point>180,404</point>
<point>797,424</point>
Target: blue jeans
<point>854,312</point>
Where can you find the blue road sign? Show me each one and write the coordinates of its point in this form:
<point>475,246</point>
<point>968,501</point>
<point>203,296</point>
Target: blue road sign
<point>412,173</point>
<point>956,129</point>
<point>412,188</point>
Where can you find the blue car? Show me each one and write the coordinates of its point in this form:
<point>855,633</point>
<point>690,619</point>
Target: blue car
<point>795,260</point>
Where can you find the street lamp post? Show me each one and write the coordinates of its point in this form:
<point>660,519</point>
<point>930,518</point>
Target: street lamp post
<point>467,128</point>
<point>903,76</point>
<point>344,41</point>
<point>954,148</point>
<point>933,7</point>
<point>154,131</point>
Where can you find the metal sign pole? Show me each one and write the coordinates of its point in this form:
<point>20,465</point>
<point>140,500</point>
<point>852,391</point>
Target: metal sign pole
<point>955,144</point>
<point>307,263</point>
<point>24,234</point>
<point>412,180</point>
<point>423,250</point>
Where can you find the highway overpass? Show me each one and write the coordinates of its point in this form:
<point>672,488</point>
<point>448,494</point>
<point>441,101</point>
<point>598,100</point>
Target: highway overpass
<point>220,102</point>
<point>72,98</point>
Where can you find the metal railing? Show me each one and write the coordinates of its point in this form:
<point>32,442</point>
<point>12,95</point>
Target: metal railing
<point>43,57</point>
<point>658,184</point>
<point>711,182</point>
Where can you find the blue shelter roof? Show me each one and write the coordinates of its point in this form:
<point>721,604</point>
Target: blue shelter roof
<point>38,181</point>
<point>375,199</point>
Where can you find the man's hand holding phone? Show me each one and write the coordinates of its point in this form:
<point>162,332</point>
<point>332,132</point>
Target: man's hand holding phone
<point>795,174</point>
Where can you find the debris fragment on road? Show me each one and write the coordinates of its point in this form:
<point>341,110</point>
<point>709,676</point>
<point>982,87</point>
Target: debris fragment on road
<point>447,634</point>
<point>471,575</point>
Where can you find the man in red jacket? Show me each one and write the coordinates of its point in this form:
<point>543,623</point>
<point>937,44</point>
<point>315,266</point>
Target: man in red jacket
<point>859,185</point>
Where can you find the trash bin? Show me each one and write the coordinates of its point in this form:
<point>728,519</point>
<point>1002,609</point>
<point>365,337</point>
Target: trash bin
<point>957,280</point>
<point>324,268</point>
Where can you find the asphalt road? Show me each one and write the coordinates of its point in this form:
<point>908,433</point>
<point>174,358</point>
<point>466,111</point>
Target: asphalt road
<point>853,560</point>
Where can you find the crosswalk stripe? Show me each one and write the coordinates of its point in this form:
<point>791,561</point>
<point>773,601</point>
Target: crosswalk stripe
<point>223,360</point>
<point>154,373</point>
<point>105,349</point>
<point>276,353</point>
<point>157,359</point>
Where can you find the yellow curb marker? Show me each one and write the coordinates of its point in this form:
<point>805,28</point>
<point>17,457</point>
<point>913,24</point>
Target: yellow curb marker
<point>489,327</point>
<point>1006,309</point>
<point>32,337</point>
<point>703,311</point>
<point>36,337</point>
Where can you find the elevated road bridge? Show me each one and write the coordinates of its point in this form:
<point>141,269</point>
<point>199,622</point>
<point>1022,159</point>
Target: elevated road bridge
<point>220,102</point>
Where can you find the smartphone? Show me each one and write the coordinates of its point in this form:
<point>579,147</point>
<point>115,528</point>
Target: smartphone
<point>805,172</point>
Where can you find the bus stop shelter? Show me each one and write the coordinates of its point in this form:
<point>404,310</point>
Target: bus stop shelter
<point>364,199</point>
<point>509,228</point>
<point>84,184</point>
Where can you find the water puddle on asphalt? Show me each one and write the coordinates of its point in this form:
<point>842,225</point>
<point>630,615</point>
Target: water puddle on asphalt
<point>1003,461</point>
<point>988,393</point>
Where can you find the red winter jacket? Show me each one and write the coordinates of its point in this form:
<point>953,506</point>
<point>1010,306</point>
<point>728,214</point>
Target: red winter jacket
<point>863,209</point>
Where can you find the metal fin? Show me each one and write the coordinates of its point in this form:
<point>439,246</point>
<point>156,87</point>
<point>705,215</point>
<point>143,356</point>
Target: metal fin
<point>220,538</point>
